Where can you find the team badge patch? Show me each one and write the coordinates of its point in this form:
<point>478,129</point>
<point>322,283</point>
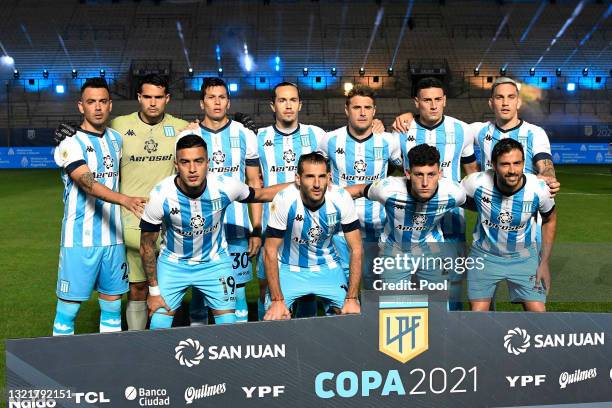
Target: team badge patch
<point>378,153</point>
<point>169,131</point>
<point>116,146</point>
<point>305,140</point>
<point>234,142</point>
<point>216,204</point>
<point>527,206</point>
<point>403,326</point>
<point>332,219</point>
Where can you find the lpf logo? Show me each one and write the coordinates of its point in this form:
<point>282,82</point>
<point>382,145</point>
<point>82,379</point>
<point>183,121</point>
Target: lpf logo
<point>403,326</point>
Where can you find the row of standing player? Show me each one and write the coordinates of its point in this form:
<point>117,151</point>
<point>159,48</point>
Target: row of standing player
<point>144,154</point>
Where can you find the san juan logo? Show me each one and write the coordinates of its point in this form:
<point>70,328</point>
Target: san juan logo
<point>403,326</point>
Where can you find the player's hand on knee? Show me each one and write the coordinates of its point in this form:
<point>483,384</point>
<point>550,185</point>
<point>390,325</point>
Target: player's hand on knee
<point>154,303</point>
<point>135,205</point>
<point>254,245</point>
<point>543,277</point>
<point>402,122</point>
<point>63,131</point>
<point>378,126</point>
<point>277,311</point>
<point>351,306</point>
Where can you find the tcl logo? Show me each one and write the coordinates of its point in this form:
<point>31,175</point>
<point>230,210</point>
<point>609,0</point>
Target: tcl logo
<point>263,391</point>
<point>90,397</point>
<point>525,380</point>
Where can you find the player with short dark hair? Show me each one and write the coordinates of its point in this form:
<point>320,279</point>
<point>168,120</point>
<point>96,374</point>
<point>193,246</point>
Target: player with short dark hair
<point>299,256</point>
<point>191,207</point>
<point>92,254</point>
<point>505,237</point>
<point>416,205</point>
<point>232,151</point>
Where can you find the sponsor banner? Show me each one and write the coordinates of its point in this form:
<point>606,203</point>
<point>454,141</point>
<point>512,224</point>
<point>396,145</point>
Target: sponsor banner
<point>27,158</point>
<point>405,348</point>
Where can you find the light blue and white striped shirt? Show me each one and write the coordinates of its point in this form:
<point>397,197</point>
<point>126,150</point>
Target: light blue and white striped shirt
<point>507,225</point>
<point>307,234</point>
<point>356,161</point>
<point>279,154</point>
<point>454,140</point>
<point>192,227</point>
<point>89,221</point>
<point>230,150</point>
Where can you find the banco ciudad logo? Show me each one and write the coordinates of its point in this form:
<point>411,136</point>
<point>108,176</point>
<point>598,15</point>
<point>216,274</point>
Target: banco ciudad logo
<point>403,326</point>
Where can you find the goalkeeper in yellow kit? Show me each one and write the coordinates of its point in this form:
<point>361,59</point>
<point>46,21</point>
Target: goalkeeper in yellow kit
<point>149,136</point>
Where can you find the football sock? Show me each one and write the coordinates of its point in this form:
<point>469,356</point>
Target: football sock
<point>136,314</point>
<point>110,315</point>
<point>65,314</point>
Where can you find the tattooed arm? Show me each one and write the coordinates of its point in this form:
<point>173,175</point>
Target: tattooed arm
<point>86,181</point>
<point>546,171</point>
<point>149,263</point>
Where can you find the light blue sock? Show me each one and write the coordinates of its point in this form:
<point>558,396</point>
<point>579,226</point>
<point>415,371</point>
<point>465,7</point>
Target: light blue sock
<point>261,310</point>
<point>110,315</point>
<point>242,309</point>
<point>65,314</point>
<point>198,312</point>
<point>226,318</point>
<point>161,321</point>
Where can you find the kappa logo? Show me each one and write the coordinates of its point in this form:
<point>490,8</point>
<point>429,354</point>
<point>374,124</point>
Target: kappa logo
<point>339,150</point>
<point>197,221</point>
<point>488,137</point>
<point>130,132</point>
<point>411,138</point>
<point>174,211</point>
<point>419,219</point>
<point>189,352</point>
<point>268,143</point>
<point>218,157</point>
<point>315,232</point>
<point>108,161</point>
<point>90,149</point>
<point>289,156</point>
<point>403,326</point>
<point>517,341</point>
<point>505,217</point>
<point>360,166</point>
<point>299,217</point>
<point>150,146</point>
<point>486,199</point>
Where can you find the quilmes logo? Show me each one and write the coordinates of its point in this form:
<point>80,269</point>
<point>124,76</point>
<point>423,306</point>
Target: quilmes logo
<point>190,352</point>
<point>403,326</point>
<point>566,378</point>
<point>205,391</point>
<point>518,341</point>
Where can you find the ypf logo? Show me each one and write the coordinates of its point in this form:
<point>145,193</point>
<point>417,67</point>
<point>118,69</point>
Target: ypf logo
<point>403,328</point>
<point>419,219</point>
<point>189,352</point>
<point>360,166</point>
<point>505,217</point>
<point>218,157</point>
<point>197,221</point>
<point>108,161</point>
<point>517,341</point>
<point>289,156</point>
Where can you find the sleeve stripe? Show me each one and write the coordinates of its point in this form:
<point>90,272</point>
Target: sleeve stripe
<point>74,165</point>
<point>350,227</point>
<point>250,197</point>
<point>547,213</point>
<point>252,162</point>
<point>468,159</point>
<point>148,227</point>
<point>272,232</point>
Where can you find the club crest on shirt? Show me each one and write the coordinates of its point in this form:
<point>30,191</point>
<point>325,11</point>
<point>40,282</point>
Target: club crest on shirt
<point>378,153</point>
<point>150,146</point>
<point>315,232</point>
<point>108,161</point>
<point>289,156</point>
<point>360,166</point>
<point>218,157</point>
<point>419,219</point>
<point>197,221</point>
<point>505,217</point>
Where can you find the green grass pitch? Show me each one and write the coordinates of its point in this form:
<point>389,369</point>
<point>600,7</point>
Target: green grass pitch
<point>30,220</point>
